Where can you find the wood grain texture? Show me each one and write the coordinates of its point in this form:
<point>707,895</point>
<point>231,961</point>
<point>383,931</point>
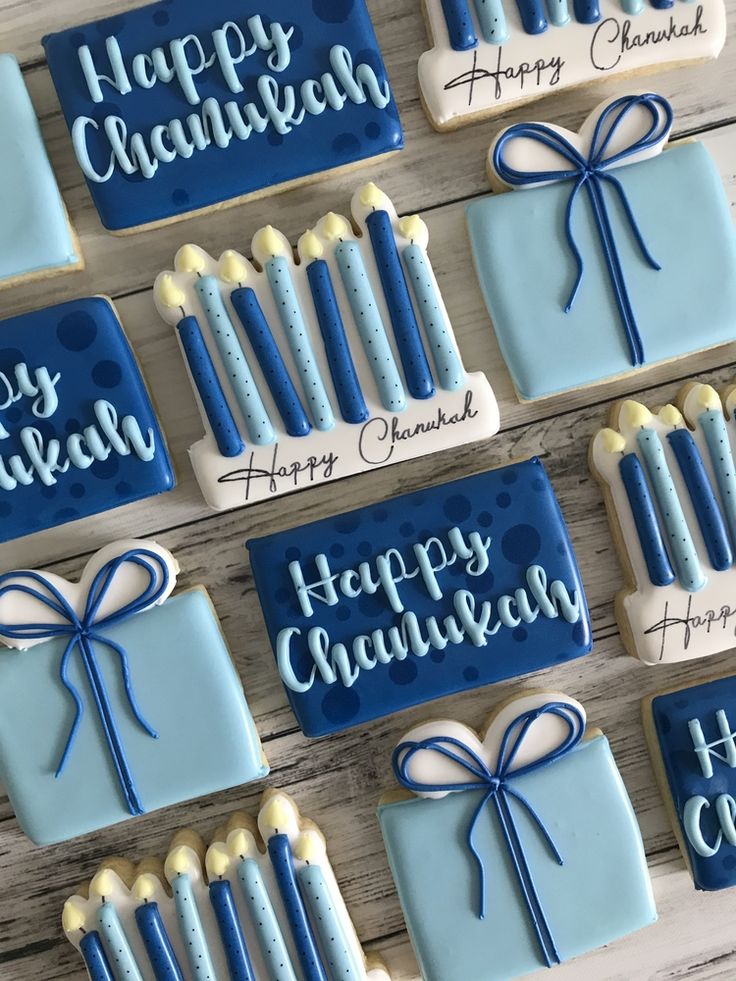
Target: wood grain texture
<point>337,781</point>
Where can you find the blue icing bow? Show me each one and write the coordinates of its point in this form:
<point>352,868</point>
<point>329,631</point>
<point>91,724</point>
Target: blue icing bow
<point>592,172</point>
<point>498,788</point>
<point>83,631</point>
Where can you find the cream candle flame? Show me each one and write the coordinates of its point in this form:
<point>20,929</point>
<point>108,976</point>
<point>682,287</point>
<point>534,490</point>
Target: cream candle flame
<point>169,293</point>
<point>72,917</point>
<point>268,242</point>
<point>413,228</point>
<point>233,268</point>
<point>180,861</point>
<point>635,414</point>
<point>310,247</point>
<point>217,862</point>
<point>309,847</point>
<point>670,415</point>
<point>371,196</point>
<point>709,398</point>
<point>612,441</point>
<point>334,227</point>
<point>241,843</point>
<point>276,815</point>
<point>189,259</point>
<point>146,886</point>
<point>103,883</point>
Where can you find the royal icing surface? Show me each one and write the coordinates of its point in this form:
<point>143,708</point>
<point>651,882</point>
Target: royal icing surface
<point>178,106</point>
<point>670,485</point>
<point>523,843</point>
<point>35,236</point>
<point>423,595</point>
<point>124,683</point>
<point>695,744</point>
<point>78,434</point>
<point>265,907</point>
<point>608,255</point>
<point>488,55</point>
<point>308,370</point>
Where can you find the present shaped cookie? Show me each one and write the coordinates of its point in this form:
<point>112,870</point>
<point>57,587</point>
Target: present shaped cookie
<point>520,849</point>
<point>609,255</point>
<point>116,698</point>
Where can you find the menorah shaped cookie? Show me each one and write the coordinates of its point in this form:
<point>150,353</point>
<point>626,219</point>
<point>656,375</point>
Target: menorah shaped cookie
<point>262,904</point>
<point>488,55</point>
<point>327,372</point>
<point>669,482</point>
<point>116,698</point>
<point>607,253</point>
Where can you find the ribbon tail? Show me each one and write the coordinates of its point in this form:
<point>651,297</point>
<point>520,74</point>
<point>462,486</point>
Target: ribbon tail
<point>78,707</point>
<point>128,685</point>
<point>625,203</point>
<point>542,929</point>
<point>112,736</point>
<point>478,857</point>
<point>573,246</point>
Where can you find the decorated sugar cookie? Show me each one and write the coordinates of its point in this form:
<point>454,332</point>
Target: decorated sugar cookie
<point>175,108</point>
<point>670,486</point>
<point>489,55</point>
<point>36,238</point>
<point>78,433</point>
<point>423,595</point>
<point>608,253</point>
<point>513,850</point>
<point>262,904</point>
<point>691,740</point>
<point>116,698</point>
<point>306,370</point>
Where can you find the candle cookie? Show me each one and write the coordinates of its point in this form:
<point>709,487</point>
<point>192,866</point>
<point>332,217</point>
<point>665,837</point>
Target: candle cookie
<point>174,109</point>
<point>691,741</point>
<point>335,362</point>
<point>516,849</point>
<point>489,55</point>
<point>78,433</point>
<point>128,702</point>
<point>421,596</point>
<point>260,904</point>
<point>607,254</point>
<point>669,482</point>
<point>36,237</point>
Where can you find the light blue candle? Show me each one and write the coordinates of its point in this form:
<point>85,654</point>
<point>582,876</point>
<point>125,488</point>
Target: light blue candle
<point>265,922</point>
<point>439,334</point>
<point>632,7</point>
<point>370,326</point>
<point>682,548</point>
<point>339,956</point>
<point>713,424</point>
<point>121,956</point>
<point>558,12</point>
<point>492,20</point>
<point>191,929</point>
<point>236,364</point>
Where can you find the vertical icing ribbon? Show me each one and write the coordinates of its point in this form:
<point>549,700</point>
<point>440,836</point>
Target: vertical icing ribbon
<point>82,633</point>
<point>592,172</point>
<point>459,25</point>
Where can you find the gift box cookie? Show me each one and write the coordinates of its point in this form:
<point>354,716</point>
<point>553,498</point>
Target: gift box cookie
<point>36,238</point>
<point>175,108</point>
<point>420,596</point>
<point>669,482</point>
<point>691,741</point>
<point>263,904</point>
<point>515,850</point>
<point>311,369</point>
<point>78,433</point>
<point>609,254</point>
<point>488,55</point>
<point>116,698</point>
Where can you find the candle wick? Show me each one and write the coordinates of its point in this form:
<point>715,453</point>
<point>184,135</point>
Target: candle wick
<point>182,311</point>
<point>82,930</point>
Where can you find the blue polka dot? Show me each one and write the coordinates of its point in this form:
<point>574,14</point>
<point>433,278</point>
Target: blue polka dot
<point>9,358</point>
<point>457,508</point>
<point>538,484</point>
<point>72,426</point>
<point>403,672</point>
<point>106,469</point>
<point>346,144</point>
<point>48,492</point>
<point>347,524</point>
<point>380,515</point>
<point>485,519</point>
<point>107,374</point>
<point>76,331</point>
<point>77,490</point>
<point>333,11</point>
<point>160,18</point>
<point>282,595</point>
<point>418,500</point>
<point>521,544</point>
<point>66,514</point>
<point>14,414</point>
<point>340,704</point>
<point>274,138</point>
<point>337,550</point>
<point>503,500</point>
<point>123,488</point>
<point>519,634</point>
<point>6,509</point>
<point>470,674</point>
<point>482,584</point>
<point>509,477</point>
<point>371,605</point>
<point>365,549</point>
<point>111,25</point>
<point>373,131</point>
<point>406,529</point>
<point>437,656</point>
<point>180,196</point>
<point>343,614</point>
<point>292,554</point>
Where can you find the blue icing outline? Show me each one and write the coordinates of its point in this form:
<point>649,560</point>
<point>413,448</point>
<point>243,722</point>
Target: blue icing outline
<point>34,234</point>
<point>671,713</point>
<point>385,689</point>
<point>212,176</point>
<point>73,339</point>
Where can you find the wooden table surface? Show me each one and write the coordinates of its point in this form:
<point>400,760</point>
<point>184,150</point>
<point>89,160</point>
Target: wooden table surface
<point>337,781</point>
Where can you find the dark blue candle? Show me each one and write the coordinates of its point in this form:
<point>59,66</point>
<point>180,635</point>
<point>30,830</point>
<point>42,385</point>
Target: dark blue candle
<point>532,15</point>
<point>233,941</point>
<point>291,410</point>
<point>459,24</point>
<point>211,395</point>
<point>283,864</point>
<point>344,377</point>
<point>156,941</point>
<point>406,330</point>
<point>662,4</point>
<point>586,11</point>
<point>645,519</point>
<point>705,505</point>
<point>95,957</point>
